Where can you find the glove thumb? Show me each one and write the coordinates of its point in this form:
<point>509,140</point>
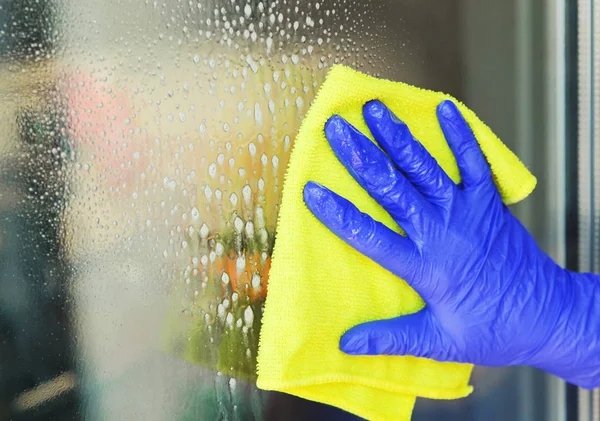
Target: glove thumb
<point>417,334</point>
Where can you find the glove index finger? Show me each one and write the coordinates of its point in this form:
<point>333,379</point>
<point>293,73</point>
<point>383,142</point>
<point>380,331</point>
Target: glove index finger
<point>385,247</point>
<point>376,173</point>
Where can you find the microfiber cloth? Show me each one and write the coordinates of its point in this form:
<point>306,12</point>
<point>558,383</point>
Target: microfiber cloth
<point>319,287</point>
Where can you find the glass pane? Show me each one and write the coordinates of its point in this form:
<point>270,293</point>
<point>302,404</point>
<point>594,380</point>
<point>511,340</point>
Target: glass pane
<point>585,160</point>
<point>141,163</point>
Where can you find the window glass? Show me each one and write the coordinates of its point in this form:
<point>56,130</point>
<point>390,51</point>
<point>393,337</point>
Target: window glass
<point>142,153</point>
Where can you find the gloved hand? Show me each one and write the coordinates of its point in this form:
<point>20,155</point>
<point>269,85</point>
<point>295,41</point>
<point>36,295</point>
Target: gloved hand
<point>492,296</point>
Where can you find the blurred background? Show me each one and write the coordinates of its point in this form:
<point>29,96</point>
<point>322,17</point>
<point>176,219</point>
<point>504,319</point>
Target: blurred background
<point>142,150</point>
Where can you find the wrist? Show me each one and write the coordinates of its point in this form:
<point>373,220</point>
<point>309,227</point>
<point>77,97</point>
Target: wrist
<point>571,349</point>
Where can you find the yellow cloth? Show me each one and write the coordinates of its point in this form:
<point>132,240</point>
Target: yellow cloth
<point>319,286</point>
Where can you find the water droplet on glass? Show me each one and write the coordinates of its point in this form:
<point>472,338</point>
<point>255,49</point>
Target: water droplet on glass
<point>253,64</point>
<point>212,170</point>
<point>257,114</point>
<point>248,316</point>
<point>204,230</point>
<point>238,224</point>
<point>247,193</point>
<point>240,263</point>
<point>256,280</point>
<point>249,229</point>
<point>225,278</point>
<point>195,214</point>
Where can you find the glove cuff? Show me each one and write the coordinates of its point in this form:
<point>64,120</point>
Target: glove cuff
<point>572,350</point>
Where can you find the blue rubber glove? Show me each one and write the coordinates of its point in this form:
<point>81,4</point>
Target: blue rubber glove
<point>492,296</point>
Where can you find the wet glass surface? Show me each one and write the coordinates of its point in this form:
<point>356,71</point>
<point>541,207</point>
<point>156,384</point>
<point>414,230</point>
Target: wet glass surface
<point>142,152</point>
